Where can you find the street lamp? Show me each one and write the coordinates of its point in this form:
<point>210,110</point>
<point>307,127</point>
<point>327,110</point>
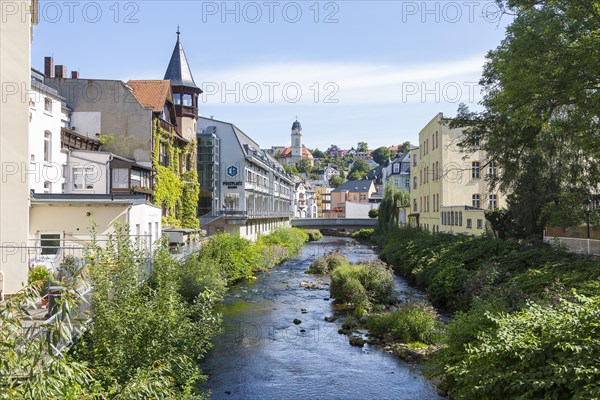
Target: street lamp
<point>587,204</point>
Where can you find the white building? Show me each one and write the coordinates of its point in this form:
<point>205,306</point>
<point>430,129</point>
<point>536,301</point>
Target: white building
<point>305,200</point>
<point>255,194</point>
<point>48,114</point>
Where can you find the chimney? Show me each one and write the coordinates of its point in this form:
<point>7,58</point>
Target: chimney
<point>60,71</point>
<point>74,74</point>
<point>49,67</point>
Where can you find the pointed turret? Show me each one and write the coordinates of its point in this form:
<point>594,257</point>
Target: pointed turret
<point>185,91</point>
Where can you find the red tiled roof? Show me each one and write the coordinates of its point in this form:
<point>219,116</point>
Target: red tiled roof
<point>287,153</point>
<point>151,93</point>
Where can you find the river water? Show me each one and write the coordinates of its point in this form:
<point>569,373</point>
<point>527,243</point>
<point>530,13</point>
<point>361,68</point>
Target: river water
<point>262,354</point>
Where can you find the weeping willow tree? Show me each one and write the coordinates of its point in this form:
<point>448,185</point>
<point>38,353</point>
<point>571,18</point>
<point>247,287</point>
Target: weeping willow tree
<point>393,199</point>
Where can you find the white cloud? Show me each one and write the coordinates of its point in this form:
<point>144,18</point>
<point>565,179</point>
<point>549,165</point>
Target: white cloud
<point>348,83</point>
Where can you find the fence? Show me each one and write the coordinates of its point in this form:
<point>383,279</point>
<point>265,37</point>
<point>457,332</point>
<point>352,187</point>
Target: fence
<point>575,245</point>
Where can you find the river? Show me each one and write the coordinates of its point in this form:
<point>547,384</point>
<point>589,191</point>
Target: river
<point>262,354</point>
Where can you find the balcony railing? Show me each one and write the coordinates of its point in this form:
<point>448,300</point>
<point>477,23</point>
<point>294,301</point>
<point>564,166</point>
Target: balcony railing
<point>251,213</point>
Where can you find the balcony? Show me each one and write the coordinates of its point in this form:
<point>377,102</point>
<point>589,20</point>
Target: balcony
<point>251,213</point>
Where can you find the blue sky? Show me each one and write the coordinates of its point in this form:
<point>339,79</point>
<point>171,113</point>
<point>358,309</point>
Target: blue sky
<point>374,71</point>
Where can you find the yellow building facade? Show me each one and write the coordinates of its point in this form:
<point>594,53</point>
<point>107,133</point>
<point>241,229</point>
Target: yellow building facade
<point>449,190</point>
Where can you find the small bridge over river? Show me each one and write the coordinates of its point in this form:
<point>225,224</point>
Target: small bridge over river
<point>347,224</point>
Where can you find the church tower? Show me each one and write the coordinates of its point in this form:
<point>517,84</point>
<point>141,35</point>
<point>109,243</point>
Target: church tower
<point>185,92</point>
<point>296,140</point>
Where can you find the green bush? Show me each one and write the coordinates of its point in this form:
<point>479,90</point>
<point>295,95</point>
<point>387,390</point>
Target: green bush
<point>327,263</point>
<point>235,256</point>
<point>362,286</point>
<point>197,276</point>
<point>362,234</point>
<point>490,281</point>
<point>411,322</point>
<point>39,277</point>
<point>545,351</point>
<point>314,235</point>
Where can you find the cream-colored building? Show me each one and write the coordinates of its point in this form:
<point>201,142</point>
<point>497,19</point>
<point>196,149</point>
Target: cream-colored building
<point>449,190</point>
<point>16,31</point>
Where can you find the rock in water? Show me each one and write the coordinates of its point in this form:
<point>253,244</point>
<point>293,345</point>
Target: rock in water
<point>297,321</point>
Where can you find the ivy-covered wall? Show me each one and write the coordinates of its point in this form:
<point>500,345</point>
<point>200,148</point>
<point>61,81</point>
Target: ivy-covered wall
<point>177,192</point>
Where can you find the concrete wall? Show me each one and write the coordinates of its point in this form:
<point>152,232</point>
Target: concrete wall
<point>15,75</point>
<point>98,162</point>
<point>72,220</point>
<point>148,218</point>
<point>121,115</point>
<point>359,210</point>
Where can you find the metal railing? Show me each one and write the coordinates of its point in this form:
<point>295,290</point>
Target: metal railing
<point>249,213</point>
<point>575,245</point>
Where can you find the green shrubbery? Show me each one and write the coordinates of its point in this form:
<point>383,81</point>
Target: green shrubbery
<point>39,277</point>
<point>324,265</point>
<point>547,350</point>
<point>363,234</point>
<point>411,322</point>
<point>151,326</point>
<point>314,235</point>
<point>362,286</point>
<point>514,335</point>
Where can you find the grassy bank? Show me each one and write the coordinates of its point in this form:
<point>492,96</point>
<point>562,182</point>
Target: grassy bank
<point>150,328</point>
<point>526,321</point>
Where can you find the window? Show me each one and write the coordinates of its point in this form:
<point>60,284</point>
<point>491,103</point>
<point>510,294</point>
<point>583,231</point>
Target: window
<point>437,139</point>
<point>47,146</point>
<point>476,201</point>
<point>460,218</point>
<point>187,99</point>
<point>492,169</point>
<point>469,223</point>
<point>493,202</point>
<point>177,98</point>
<point>415,205</point>
<point>47,104</point>
<point>414,160</point>
<point>414,182</point>
<point>443,218</point>
<point>50,243</point>
<point>396,168</point>
<point>120,178</point>
<point>451,218</point>
<point>47,187</point>
<point>479,224</point>
<point>475,169</point>
<point>83,178</point>
<point>163,156</point>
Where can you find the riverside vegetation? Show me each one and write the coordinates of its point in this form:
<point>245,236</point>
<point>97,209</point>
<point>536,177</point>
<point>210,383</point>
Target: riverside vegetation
<point>150,327</point>
<point>526,322</point>
<point>367,291</point>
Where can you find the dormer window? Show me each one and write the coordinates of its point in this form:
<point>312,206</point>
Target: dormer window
<point>396,168</point>
<point>165,114</point>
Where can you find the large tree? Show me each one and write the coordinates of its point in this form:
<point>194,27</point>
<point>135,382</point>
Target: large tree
<point>540,120</point>
<point>404,147</point>
<point>381,155</point>
<point>362,147</point>
<point>393,199</point>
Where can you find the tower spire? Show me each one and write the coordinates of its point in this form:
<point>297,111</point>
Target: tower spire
<point>178,33</point>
